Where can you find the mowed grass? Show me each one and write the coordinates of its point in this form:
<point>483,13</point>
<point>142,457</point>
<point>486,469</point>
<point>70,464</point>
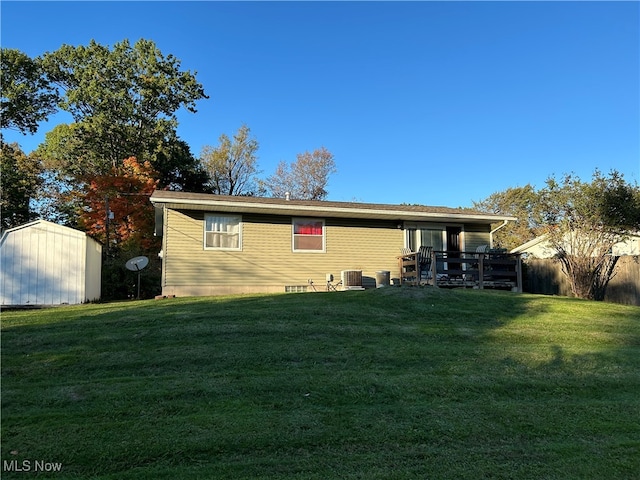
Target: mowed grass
<point>396,383</point>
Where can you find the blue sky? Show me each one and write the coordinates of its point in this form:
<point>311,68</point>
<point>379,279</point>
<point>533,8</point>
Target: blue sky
<point>434,103</point>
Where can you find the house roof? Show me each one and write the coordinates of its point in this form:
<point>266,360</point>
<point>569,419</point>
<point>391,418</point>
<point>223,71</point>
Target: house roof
<point>317,208</point>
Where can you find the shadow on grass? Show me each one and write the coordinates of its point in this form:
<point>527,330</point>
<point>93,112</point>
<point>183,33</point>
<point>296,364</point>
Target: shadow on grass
<point>388,383</point>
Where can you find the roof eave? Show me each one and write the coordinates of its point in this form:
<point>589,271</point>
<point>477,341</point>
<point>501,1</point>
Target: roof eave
<point>323,211</point>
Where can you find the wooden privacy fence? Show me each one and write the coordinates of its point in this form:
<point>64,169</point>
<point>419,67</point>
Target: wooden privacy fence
<point>545,276</point>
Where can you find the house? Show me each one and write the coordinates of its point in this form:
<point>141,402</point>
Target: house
<point>216,244</point>
<point>42,263</point>
<point>539,247</point>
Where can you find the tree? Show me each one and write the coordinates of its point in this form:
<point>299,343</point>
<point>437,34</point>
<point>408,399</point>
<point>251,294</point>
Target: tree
<point>583,221</point>
<point>178,169</point>
<point>128,231</point>
<point>125,193</point>
<point>304,179</point>
<point>27,96</point>
<point>19,183</point>
<point>519,202</point>
<point>123,102</point>
<point>233,164</point>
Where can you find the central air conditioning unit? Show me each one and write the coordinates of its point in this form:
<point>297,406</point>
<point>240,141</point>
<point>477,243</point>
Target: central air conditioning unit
<point>351,279</point>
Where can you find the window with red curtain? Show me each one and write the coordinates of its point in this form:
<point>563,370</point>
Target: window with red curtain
<point>308,234</point>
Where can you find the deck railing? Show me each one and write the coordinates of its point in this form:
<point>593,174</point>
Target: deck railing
<point>491,269</point>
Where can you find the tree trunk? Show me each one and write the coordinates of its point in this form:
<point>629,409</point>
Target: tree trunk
<point>589,276</point>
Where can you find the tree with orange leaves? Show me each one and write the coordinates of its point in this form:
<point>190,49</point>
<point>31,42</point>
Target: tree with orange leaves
<point>125,192</point>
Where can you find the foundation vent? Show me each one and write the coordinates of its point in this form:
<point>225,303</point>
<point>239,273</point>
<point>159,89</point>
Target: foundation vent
<point>295,288</point>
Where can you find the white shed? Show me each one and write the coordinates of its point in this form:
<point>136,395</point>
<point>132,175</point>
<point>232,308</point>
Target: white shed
<point>42,263</point>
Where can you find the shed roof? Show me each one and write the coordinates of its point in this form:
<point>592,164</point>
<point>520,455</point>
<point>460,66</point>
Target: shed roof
<point>44,225</point>
<point>317,208</point>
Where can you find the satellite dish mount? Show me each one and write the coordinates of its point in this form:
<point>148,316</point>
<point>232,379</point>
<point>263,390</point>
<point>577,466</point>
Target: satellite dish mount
<point>137,264</point>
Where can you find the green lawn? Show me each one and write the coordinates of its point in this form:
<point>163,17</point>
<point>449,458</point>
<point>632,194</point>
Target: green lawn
<point>395,383</point>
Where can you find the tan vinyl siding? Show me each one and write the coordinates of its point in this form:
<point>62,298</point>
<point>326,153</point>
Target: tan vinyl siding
<point>476,235</point>
<point>266,261</point>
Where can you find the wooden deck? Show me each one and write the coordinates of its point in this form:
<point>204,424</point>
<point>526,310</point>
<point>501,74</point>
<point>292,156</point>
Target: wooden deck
<point>463,269</point>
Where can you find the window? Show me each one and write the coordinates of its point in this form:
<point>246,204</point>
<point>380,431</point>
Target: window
<point>431,238</point>
<point>308,235</point>
<point>428,237</point>
<point>223,232</point>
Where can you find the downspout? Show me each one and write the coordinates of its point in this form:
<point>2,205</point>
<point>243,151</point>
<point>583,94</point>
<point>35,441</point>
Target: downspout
<point>504,224</point>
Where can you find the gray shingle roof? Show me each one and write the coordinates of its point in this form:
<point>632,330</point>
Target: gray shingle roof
<point>319,207</point>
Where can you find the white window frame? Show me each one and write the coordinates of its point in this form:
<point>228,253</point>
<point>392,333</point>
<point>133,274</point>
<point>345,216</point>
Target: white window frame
<point>293,234</point>
<point>214,215</point>
<point>414,227</point>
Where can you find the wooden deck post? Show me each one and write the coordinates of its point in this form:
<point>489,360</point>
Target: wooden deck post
<point>518,273</point>
<point>434,269</point>
<point>481,272</point>
<point>409,268</point>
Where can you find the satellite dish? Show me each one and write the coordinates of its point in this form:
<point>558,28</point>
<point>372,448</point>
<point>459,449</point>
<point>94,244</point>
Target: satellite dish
<point>136,264</point>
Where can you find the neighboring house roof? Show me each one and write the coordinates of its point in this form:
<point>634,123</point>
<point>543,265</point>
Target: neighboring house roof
<point>280,206</point>
<point>530,244</point>
<point>540,247</point>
